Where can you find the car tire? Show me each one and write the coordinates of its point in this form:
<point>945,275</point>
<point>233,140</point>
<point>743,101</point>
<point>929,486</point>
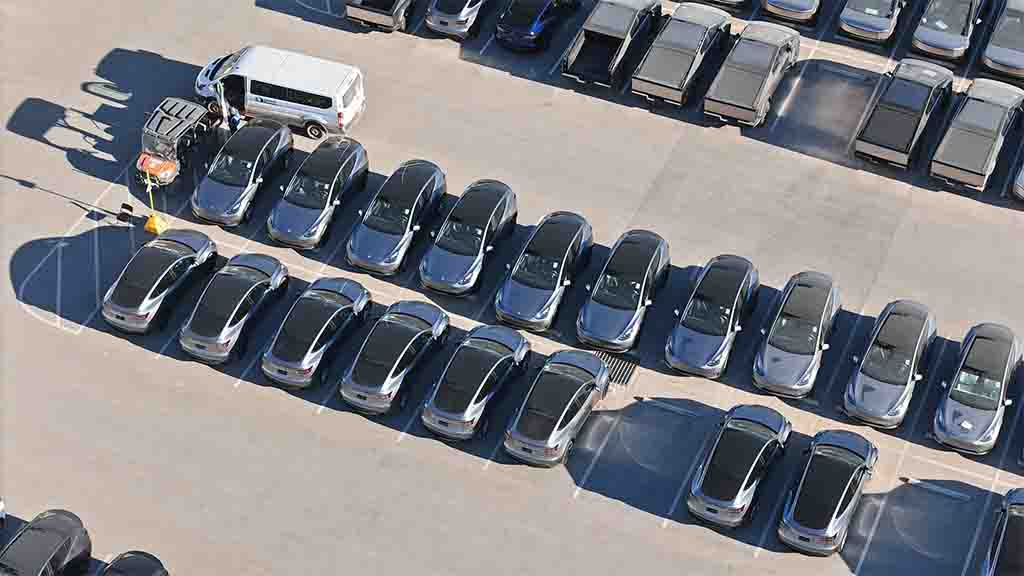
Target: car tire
<point>315,131</point>
<point>213,107</point>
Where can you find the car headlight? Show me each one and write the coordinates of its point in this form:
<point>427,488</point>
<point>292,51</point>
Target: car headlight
<point>237,206</point>
<point>899,406</point>
<point>806,376</point>
<point>312,231</point>
<point>543,312</point>
<point>717,358</point>
<point>630,330</point>
<point>991,433</point>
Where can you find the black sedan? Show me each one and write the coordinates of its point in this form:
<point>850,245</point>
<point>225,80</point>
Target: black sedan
<point>818,510</point>
<point>1005,51</point>
<point>397,342</point>
<point>246,163</point>
<point>912,93</point>
<point>302,217</point>
<point>54,543</point>
<point>135,563</point>
<point>1004,556</point>
<point>485,214</point>
<point>724,489</point>
<point>319,319</point>
<point>477,373</point>
<point>236,294</point>
<point>144,294</point>
<point>616,306</point>
<point>968,152</point>
<point>558,250</point>
<point>394,217</point>
<point>688,40</point>
<point>530,24</point>
<point>743,89</point>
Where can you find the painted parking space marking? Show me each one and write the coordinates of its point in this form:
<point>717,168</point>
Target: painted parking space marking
<point>926,485</point>
<point>687,479</point>
<point>597,456</point>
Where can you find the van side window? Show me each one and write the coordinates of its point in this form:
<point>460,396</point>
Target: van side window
<point>266,90</point>
<point>348,96</point>
<point>308,99</point>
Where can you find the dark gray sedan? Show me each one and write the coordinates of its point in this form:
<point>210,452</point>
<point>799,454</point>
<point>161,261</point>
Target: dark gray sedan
<point>789,356</point>
<point>249,159</point>
<point>818,510</point>
<point>54,543</point>
<point>397,342</point>
<point>743,89</point>
<point>702,340</point>
<point>394,217</point>
<point>485,214</point>
<point>319,319</point>
<point>135,563</point>
<point>968,152</point>
<point>616,306</point>
<point>879,391</point>
<point>911,95</point>
<point>216,330</point>
<point>476,375</point>
<point>724,489</point>
<point>302,217</point>
<point>1005,51</point>
<point>1004,556</point>
<point>970,414</point>
<point>558,250</point>
<point>144,294</point>
<point>871,20</point>
<point>559,402</point>
<point>946,27</point>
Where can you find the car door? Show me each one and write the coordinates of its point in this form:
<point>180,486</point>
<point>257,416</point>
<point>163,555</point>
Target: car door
<point>570,421</point>
<point>175,273</point>
<point>260,170</point>
<point>412,353</point>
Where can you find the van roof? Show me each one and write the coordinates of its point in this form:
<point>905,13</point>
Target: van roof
<point>293,70</point>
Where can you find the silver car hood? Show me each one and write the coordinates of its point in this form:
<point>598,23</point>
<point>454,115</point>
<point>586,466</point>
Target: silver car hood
<point>783,367</point>
<point>605,322</point>
<point>373,246</point>
<point>216,198</point>
<point>941,40</point>
<point>695,348</point>
<point>874,396</point>
<point>294,220</point>
<point>964,423</point>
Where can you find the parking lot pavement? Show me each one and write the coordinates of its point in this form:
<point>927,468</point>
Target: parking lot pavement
<point>218,472</point>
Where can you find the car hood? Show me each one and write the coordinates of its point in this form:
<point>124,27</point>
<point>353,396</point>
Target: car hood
<point>292,219</point>
<point>443,266</point>
<point>940,40</point>
<point>524,301</point>
<point>605,322</point>
<point>874,396</point>
<point>373,246</point>
<point>212,196</point>
<point>866,22</point>
<point>784,367</point>
<point>964,423</point>
<point>1006,57</point>
<point>695,348</point>
<point>795,5</point>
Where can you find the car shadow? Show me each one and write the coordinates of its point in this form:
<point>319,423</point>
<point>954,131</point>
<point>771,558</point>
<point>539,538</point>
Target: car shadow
<point>330,13</point>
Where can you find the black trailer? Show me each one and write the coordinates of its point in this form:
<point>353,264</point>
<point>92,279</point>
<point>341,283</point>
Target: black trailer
<point>614,30</point>
<point>387,15</point>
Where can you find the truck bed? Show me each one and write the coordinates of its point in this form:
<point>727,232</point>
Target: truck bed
<point>591,59</point>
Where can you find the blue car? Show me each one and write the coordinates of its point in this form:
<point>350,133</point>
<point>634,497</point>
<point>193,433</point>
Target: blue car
<point>530,24</point>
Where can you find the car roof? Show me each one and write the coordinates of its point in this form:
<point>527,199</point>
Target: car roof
<point>32,549</point>
<point>996,92</point>
<point>328,158</point>
<point>823,486</point>
<point>735,453</point>
<point>135,563</point>
<point>921,72</point>
<point>252,137</point>
<point>173,117</point>
<point>556,388</point>
<point>760,414</point>
<point>768,33</point>
<point>409,180</point>
<point>391,336</point>
<point>723,278</point>
<point>266,264</point>
<point>633,253</point>
<point>807,298</point>
<point>293,70</point>
<point>706,16</point>
<point>989,350</point>
<point>1011,554</point>
<point>901,327</point>
<point>478,202</point>
<point>556,233</point>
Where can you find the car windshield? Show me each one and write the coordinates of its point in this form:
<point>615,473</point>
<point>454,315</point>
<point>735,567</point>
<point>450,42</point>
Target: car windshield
<point>949,16</point>
<point>881,8</point>
<point>735,454</point>
<point>143,272</point>
<point>977,390</point>
<point>980,116</point>
<point>707,317</point>
<point>538,271</point>
<point>794,335</point>
<point>888,364</point>
<point>752,55</point>
<point>224,65</point>
<point>618,291</point>
<point>523,12</point>
<point>307,191</point>
<point>231,170</point>
<point>387,216</point>
<point>461,238</point>
<point>1010,31</point>
<point>824,485</point>
<point>222,296</point>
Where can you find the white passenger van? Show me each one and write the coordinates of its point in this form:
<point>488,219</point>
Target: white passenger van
<point>318,96</point>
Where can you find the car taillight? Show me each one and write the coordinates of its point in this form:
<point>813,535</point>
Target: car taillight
<point>305,371</point>
<point>551,451</point>
<point>341,118</point>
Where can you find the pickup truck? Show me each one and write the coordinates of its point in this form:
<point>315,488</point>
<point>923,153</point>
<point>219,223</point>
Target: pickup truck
<point>612,33</point>
<point>387,15</point>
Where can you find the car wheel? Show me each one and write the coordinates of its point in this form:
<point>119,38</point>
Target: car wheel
<point>213,107</point>
<point>315,131</point>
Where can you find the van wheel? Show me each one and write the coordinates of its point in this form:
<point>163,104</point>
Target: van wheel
<point>315,131</point>
<point>213,107</point>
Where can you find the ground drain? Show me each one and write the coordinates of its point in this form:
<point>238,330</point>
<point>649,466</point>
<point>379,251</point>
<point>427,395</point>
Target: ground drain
<point>620,370</point>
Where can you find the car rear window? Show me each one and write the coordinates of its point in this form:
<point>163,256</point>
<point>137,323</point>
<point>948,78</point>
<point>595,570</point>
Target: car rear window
<point>143,272</point>
<point>226,290</point>
<point>469,367</point>
<point>387,340</point>
<point>824,485</point>
<point>734,456</point>
<point>304,323</point>
<point>555,387</point>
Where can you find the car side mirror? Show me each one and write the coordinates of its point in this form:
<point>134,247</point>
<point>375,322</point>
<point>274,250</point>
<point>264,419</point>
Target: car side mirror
<point>676,312</point>
<point>489,249</point>
<point>259,180</point>
<point>764,331</point>
<point>648,302</point>
<point>587,287</point>
<point>415,227</point>
<point>337,202</point>
<point>566,282</point>
<point>918,377</point>
<point>944,384</point>
<point>281,187</point>
<point>854,358</point>
<point>508,266</point>
<point>1008,402</point>
<point>978,21</point>
<point>739,328</point>
<point>360,212</point>
<point>825,347</point>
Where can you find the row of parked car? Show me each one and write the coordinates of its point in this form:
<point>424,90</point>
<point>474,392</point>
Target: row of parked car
<point>56,543</point>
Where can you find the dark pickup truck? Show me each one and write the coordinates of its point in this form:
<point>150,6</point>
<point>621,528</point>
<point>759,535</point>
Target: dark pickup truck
<point>612,32</point>
<point>387,15</point>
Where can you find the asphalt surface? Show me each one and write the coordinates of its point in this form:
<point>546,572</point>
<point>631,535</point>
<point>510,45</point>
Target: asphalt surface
<point>217,472</point>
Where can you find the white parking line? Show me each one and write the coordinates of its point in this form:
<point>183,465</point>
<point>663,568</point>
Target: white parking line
<point>487,44</point>
<point>597,456</point>
<point>933,487</point>
<point>669,407</point>
<point>560,58</point>
<point>491,456</point>
<point>686,480</point>
<point>408,425</point>
<point>315,9</point>
<point>252,363</point>
<point>950,468</point>
<point>1010,180</point>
